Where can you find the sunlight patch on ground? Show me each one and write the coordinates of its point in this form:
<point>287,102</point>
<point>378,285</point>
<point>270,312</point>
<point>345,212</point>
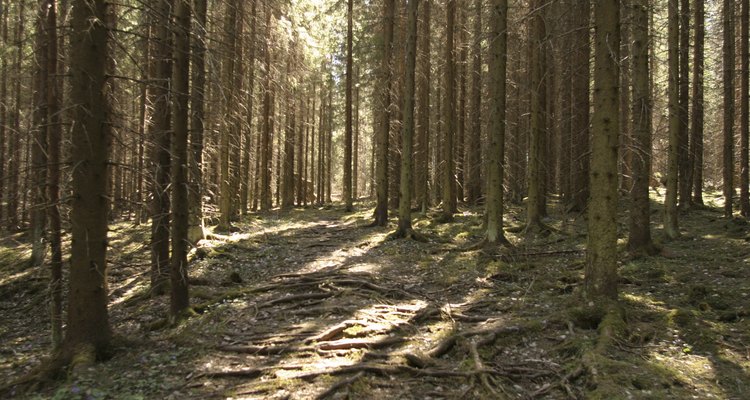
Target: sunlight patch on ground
<point>695,370</point>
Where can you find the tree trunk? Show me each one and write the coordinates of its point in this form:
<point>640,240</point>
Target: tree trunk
<point>728,106</point>
<point>4,100</point>
<point>671,227</point>
<point>179,300</point>
<point>248,137</point>
<point>266,147</point>
<point>497,123</point>
<point>422,145</point>
<point>88,321</point>
<point>347,189</point>
<point>744,111</point>
<point>161,67</point>
<point>601,259</point>
<point>287,198</point>
<point>580,101</point>
<point>696,137</point>
<point>14,150</point>
<point>197,115</point>
<point>639,239</point>
<point>228,130</point>
<point>407,128</point>
<point>449,110</point>
<point>473,142</point>
<point>538,86</point>
<point>684,159</point>
<point>383,117</point>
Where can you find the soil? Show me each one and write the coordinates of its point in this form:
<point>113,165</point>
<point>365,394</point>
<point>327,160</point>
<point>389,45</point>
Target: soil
<point>314,303</point>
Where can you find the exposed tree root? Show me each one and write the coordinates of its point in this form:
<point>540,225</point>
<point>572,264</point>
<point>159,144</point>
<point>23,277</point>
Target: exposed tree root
<point>338,385</point>
<point>343,344</point>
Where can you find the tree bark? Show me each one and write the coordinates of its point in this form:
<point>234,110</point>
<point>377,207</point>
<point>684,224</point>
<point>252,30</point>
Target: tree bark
<point>601,258</point>
<point>581,95</point>
<point>384,116</point>
<point>497,123</point>
<point>449,110</point>
<point>671,227</point>
<point>744,110</point>
<point>88,320</point>
<point>538,129</point>
<point>197,115</point>
<point>422,159</point>
<point>684,159</point>
<point>349,128</point>
<point>696,136</point>
<point>639,239</point>
<point>728,106</point>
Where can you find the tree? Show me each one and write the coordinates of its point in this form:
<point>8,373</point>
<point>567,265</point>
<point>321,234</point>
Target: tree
<point>422,159</point>
<point>449,111</point>
<point>229,131</point>
<point>696,137</point>
<point>407,127</point>
<point>473,143</point>
<point>497,67</point>
<point>744,110</point>
<point>384,116</point>
<point>88,332</point>
<point>684,159</point>
<point>639,239</point>
<point>670,202</point>
<point>39,144</point>
<point>266,145</point>
<point>580,101</point>
<point>179,300</point>
<point>538,131</point>
<point>160,70</point>
<point>728,106</point>
<point>601,256</point>
<point>197,114</point>
<point>349,124</point>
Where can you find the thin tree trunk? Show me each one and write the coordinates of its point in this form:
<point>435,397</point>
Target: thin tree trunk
<point>580,101</point>
<point>538,129</point>
<point>685,168</point>
<point>728,106</point>
<point>349,131</point>
<point>266,143</point>
<point>449,110</point>
<point>422,170</point>
<point>473,142</point>
<point>744,111</point>
<point>179,299</point>
<point>696,136</point>
<point>197,115</point>
<point>383,117</point>
<point>671,226</point>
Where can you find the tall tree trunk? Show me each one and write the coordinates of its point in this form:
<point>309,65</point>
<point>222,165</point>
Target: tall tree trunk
<point>498,55</point>
<point>639,239</point>
<point>287,198</point>
<point>250,99</point>
<point>449,110</point>
<point>197,115</point>
<point>383,118</point>
<point>54,142</point>
<point>179,300</point>
<point>356,144</point>
<point>266,143</point>
<point>39,143</point>
<point>228,130</point>
<point>88,331</point>
<point>684,158</point>
<point>538,86</point>
<point>348,134</point>
<point>422,159</point>
<point>696,137</point>
<point>581,100</point>
<point>728,106</point>
<point>601,260</point>
<point>671,226</point>
<point>14,150</point>
<point>407,128</point>
<point>461,111</point>
<point>473,142</point>
<point>4,100</point>
<point>744,111</point>
<point>161,67</point>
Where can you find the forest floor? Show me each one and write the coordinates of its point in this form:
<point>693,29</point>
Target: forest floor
<point>314,303</point>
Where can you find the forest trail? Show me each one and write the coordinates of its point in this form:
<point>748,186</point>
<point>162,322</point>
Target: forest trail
<point>315,304</point>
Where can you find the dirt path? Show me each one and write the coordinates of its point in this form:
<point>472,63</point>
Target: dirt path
<point>315,304</point>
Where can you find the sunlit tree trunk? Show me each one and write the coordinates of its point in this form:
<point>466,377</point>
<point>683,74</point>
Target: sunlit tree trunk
<point>422,145</point>
<point>728,106</point>
<point>383,118</point>
<point>601,256</point>
<point>684,159</point>
<point>248,137</point>
<point>639,239</point>
<point>497,123</point>
<point>744,111</point>
<point>349,128</point>
<point>473,141</point>
<point>671,227</point>
<point>696,137</point>
<point>538,131</point>
<point>287,198</point>
<point>266,144</point>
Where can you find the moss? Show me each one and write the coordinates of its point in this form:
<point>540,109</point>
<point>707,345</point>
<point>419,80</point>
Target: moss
<point>587,317</point>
